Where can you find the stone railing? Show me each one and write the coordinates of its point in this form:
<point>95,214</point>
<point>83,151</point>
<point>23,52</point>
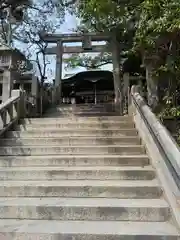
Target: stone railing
<point>162,149</point>
<point>13,110</point>
<point>163,138</point>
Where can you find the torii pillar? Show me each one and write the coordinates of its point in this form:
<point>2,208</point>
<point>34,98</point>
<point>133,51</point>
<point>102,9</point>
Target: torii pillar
<point>7,85</point>
<point>117,73</point>
<point>58,77</point>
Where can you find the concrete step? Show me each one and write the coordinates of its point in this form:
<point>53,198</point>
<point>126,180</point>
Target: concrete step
<point>82,106</point>
<point>64,105</point>
<point>74,129</point>
<point>106,109</point>
<point>146,189</point>
<point>73,132</point>
<point>79,122</point>
<point>74,125</point>
<point>70,141</point>
<point>51,150</point>
<point>83,121</point>
<point>88,209</point>
<point>88,107</point>
<point>75,160</point>
<point>80,114</point>
<point>81,110</point>
<point>86,230</point>
<point>103,119</point>
<point>77,173</point>
<point>98,112</point>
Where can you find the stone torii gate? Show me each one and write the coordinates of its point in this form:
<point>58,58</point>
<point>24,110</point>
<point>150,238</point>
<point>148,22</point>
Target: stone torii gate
<point>86,39</point>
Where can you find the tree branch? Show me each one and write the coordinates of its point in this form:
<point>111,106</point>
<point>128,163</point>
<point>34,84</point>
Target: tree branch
<point>38,63</point>
<point>3,31</point>
<point>37,9</point>
<point>72,2</point>
<point>102,64</point>
<point>10,3</point>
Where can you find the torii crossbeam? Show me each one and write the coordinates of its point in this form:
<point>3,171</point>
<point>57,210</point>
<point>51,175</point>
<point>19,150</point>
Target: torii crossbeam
<point>86,39</point>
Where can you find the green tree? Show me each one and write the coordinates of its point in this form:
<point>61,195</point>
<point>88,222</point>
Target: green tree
<point>157,35</point>
<point>151,27</point>
<point>87,61</point>
<point>30,34</point>
<point>38,16</point>
<point>32,15</point>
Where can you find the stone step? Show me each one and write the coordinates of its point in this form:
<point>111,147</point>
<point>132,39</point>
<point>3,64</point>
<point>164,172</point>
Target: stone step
<point>84,106</point>
<point>146,189</point>
<point>74,125</point>
<point>75,160</point>
<point>11,229</point>
<point>73,132</point>
<point>77,173</point>
<point>105,119</point>
<point>96,115</point>
<point>54,128</point>
<point>82,110</point>
<point>70,141</point>
<point>83,121</point>
<point>69,108</point>
<point>51,150</point>
<point>88,209</point>
<point>80,114</point>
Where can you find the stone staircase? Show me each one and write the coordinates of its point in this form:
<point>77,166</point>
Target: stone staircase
<point>70,177</point>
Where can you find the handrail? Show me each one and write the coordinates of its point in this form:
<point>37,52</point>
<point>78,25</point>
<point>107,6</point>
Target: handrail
<point>162,137</point>
<point>10,112</point>
<point>9,102</point>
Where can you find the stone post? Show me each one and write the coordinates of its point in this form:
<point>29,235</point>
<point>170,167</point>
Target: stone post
<point>58,77</point>
<point>126,90</point>
<point>53,99</point>
<point>22,103</point>
<point>126,83</point>
<point>152,84</point>
<point>116,73</point>
<point>7,85</point>
<point>152,87</point>
<point>34,86</point>
<point>34,91</point>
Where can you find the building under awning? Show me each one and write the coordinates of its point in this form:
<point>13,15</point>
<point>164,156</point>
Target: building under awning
<point>89,84</point>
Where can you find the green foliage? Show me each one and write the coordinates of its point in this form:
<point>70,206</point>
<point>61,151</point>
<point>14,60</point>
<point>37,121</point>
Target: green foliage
<point>102,16</point>
<point>158,20</point>
<point>149,27</point>
<point>158,32</point>
<point>87,61</point>
<point>169,112</point>
<point>107,15</point>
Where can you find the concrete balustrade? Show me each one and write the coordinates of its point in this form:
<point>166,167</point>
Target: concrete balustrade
<point>161,147</point>
<point>12,110</point>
